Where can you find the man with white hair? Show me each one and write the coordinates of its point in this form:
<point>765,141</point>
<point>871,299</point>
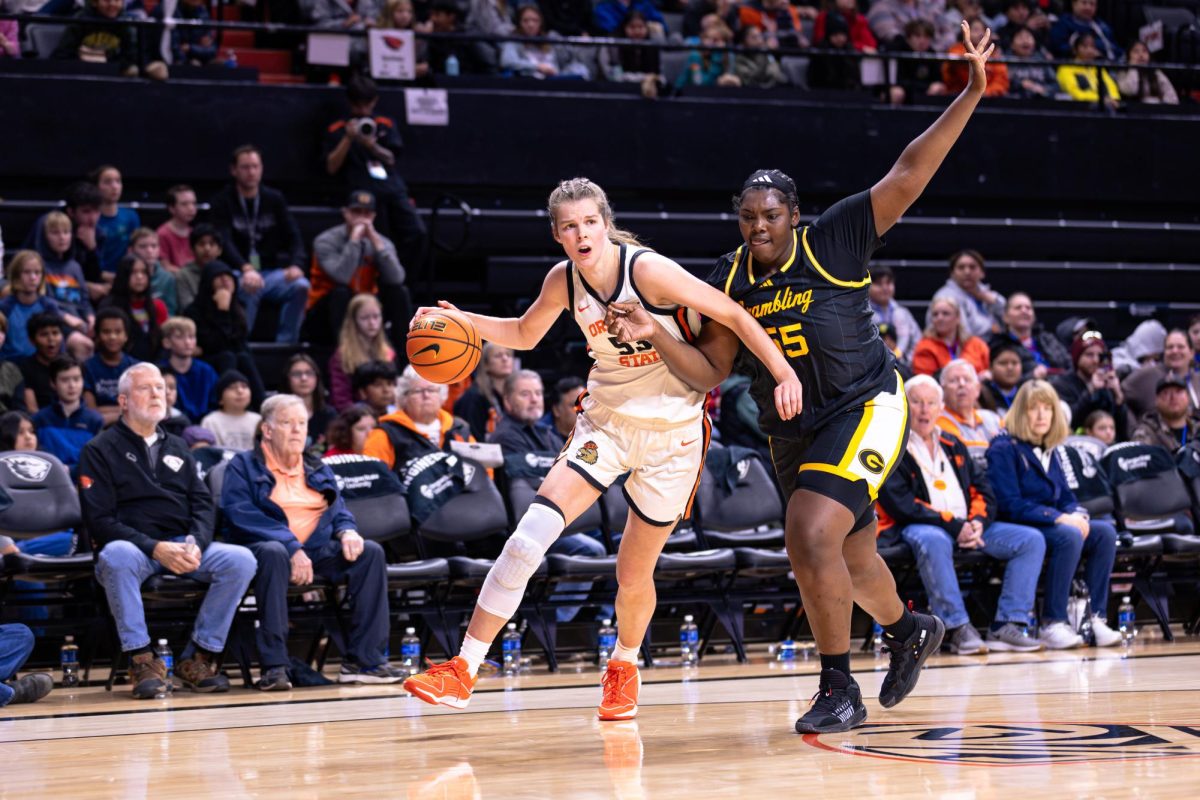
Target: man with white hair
<point>284,505</point>
<point>975,427</point>
<point>148,513</point>
<point>941,500</point>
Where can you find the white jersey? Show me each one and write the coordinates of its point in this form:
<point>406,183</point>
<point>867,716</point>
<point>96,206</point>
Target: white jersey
<point>631,379</point>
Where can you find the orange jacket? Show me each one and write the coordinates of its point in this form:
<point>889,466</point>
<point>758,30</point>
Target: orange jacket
<point>379,444</point>
<point>931,355</point>
<point>956,74</point>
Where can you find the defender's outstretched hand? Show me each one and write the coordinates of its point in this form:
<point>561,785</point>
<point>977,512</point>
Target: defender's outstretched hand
<point>629,322</point>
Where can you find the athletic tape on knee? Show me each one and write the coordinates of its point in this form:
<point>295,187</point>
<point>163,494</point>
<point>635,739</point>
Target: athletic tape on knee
<point>522,555</point>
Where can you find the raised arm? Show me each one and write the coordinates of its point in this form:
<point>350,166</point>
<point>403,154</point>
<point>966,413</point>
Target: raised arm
<point>911,173</point>
<point>702,365</point>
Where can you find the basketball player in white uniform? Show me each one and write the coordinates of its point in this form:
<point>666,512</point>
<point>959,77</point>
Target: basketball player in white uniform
<point>636,416</point>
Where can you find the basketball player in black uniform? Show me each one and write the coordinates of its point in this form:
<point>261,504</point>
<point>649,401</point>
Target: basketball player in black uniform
<point>807,287</point>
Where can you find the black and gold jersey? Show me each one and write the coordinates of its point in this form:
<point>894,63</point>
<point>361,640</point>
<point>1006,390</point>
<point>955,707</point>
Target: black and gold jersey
<point>815,309</point>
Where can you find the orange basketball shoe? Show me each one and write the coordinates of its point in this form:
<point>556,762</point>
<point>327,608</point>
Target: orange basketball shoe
<point>446,684</point>
<point>620,687</point>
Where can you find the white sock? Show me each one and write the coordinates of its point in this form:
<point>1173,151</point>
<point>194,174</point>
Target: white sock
<point>623,653</point>
<point>473,652</point>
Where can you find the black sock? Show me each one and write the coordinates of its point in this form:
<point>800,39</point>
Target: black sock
<point>839,662</point>
<point>902,628</point>
<point>995,626</point>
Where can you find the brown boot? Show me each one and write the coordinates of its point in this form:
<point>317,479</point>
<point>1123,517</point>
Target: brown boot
<point>148,674</point>
<point>199,673</point>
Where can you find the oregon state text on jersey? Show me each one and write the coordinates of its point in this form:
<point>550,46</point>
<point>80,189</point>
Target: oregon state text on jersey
<point>631,379</point>
<point>815,309</point>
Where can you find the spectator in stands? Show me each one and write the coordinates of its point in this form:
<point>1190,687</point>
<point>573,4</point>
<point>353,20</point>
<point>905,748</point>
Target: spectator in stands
<point>1100,426</point>
<point>829,67</point>
<point>374,385</point>
<point>1085,83</point>
<point>194,379</point>
<point>367,162</point>
<point>260,237</point>
<point>93,40</point>
<point>1031,489</point>
<point>102,371</point>
<point>348,432</point>
<point>888,18</point>
<point>419,427</point>
<point>473,57</point>
<point>480,404</point>
<point>221,328</point>
<point>27,299</point>
<point>65,425</point>
<point>143,243</point>
<point>177,422</point>
<point>568,17</point>
<point>1142,348</point>
<point>949,23</point>
<point>886,311</point>
<point>17,432</point>
<point>401,15</point>
<point>1193,330</point>
<point>705,67</point>
<point>1141,387</point>
<point>861,37</point>
<point>1093,386</point>
<point>562,411</point>
<point>642,65</point>
<point>956,74</point>
<point>205,242</point>
<point>82,206</point>
<point>233,423</point>
<point>362,339</point>
<point>696,10</point>
<point>975,427</point>
<point>149,512</point>
<point>1041,352</point>
<point>10,43</point>
<point>915,77</point>
<point>610,15</point>
<point>302,377</point>
<point>16,645</point>
<point>12,382</point>
<point>1022,15</point>
<point>779,19</point>
<point>285,507</point>
<point>520,428</point>
<point>490,18</point>
<point>941,501</point>
<point>533,60</point>
<point>1030,80</point>
<point>947,339</point>
<point>982,309</point>
<point>115,224</point>
<point>1008,374</point>
<point>64,281</point>
<point>1172,424</point>
<point>174,235</point>
<point>1082,19</point>
<point>132,294</point>
<point>195,45</point>
<point>757,68</point>
<point>45,331</point>
<point>354,258</point>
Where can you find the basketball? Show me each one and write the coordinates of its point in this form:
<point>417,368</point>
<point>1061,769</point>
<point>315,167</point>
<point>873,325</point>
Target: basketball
<point>443,346</point>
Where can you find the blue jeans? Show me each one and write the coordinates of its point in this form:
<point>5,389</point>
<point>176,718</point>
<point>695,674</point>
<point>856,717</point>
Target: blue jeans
<point>16,643</point>
<point>1066,546</point>
<point>577,544</point>
<point>292,296</point>
<point>122,568</point>
<point>1021,546</point>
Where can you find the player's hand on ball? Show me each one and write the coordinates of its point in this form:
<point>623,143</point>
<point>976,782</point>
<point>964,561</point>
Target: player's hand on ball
<point>789,398</point>
<point>423,310</point>
<point>629,322</point>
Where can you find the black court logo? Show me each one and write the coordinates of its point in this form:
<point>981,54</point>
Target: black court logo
<point>1014,744</point>
<point>871,461</point>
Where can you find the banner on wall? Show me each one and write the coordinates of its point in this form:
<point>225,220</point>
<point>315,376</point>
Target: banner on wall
<point>393,54</point>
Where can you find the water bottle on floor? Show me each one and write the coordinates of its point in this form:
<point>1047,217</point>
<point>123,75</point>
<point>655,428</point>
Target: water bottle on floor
<point>786,652</point>
<point>69,658</point>
<point>163,651</point>
<point>410,652</point>
<point>877,637</point>
<point>606,642</point>
<point>689,642</point>
<point>1125,621</point>
<point>510,646</point>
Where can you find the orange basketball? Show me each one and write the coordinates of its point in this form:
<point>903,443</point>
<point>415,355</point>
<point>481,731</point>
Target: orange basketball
<point>443,346</point>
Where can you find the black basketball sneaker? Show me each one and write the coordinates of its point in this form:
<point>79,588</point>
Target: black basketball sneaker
<point>908,657</point>
<point>837,706</point>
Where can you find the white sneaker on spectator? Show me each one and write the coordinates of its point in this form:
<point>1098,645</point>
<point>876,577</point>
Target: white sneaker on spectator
<point>1059,636</point>
<point>1105,636</point>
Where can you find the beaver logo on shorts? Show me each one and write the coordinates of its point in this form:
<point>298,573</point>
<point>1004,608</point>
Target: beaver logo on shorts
<point>589,453</point>
<point>872,461</point>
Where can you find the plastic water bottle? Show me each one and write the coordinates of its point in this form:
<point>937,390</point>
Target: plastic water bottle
<point>510,645</point>
<point>1125,621</point>
<point>69,658</point>
<point>606,642</point>
<point>163,651</point>
<point>410,651</point>
<point>452,68</point>
<point>877,637</point>
<point>786,652</point>
<point>689,642</point>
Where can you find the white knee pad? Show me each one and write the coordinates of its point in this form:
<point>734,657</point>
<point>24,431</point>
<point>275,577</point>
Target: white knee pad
<point>505,584</point>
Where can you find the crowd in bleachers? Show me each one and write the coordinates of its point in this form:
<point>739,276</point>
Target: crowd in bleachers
<point>1039,33</point>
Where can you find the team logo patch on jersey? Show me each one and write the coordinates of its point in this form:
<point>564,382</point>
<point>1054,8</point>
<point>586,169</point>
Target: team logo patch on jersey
<point>589,453</point>
<point>872,461</point>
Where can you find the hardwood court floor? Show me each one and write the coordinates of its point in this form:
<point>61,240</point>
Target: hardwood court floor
<point>1088,724</point>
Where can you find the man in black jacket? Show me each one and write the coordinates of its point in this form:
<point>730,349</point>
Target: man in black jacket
<point>1093,384</point>
<point>262,237</point>
<point>149,512</point>
<point>1041,352</point>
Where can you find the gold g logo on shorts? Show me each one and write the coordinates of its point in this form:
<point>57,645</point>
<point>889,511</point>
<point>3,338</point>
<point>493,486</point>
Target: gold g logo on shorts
<point>872,461</point>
